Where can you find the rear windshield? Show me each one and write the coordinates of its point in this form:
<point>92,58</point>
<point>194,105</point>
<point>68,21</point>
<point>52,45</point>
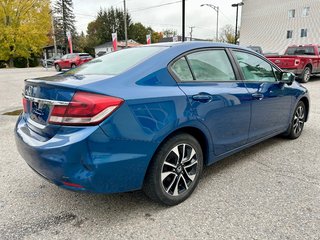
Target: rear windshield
<point>300,51</point>
<point>116,62</point>
<point>84,55</point>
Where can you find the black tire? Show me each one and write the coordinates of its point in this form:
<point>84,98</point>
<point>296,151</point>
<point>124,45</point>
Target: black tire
<point>175,170</point>
<point>306,74</point>
<point>297,122</point>
<point>73,65</point>
<point>57,67</point>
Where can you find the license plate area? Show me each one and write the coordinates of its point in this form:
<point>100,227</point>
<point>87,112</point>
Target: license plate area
<point>39,112</point>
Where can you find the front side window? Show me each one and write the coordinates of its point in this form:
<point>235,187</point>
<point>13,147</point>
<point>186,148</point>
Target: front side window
<point>304,32</point>
<point>255,68</point>
<point>211,65</point>
<point>292,13</point>
<point>305,11</point>
<point>72,55</point>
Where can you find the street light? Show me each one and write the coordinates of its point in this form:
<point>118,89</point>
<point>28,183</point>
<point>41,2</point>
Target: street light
<point>216,8</point>
<point>237,6</point>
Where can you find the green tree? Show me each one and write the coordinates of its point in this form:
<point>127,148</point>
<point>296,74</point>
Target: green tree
<point>107,22</point>
<point>24,26</point>
<point>64,21</point>
<point>138,32</point>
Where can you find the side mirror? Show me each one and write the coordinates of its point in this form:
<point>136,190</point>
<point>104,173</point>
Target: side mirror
<point>287,77</point>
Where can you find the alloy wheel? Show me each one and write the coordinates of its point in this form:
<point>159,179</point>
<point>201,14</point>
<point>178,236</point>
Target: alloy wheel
<point>179,169</point>
<point>298,120</point>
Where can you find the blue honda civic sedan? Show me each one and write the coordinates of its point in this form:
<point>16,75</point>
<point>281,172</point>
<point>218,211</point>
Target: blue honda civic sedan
<point>152,117</point>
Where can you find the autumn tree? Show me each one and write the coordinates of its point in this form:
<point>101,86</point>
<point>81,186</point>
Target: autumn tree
<point>64,21</point>
<point>169,32</point>
<point>24,26</point>
<point>156,37</point>
<point>227,34</point>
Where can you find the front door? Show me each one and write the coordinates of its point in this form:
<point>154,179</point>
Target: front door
<point>271,100</point>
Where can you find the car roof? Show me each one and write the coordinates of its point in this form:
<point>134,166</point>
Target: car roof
<point>195,44</point>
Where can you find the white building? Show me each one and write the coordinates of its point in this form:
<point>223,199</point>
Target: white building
<point>276,24</point>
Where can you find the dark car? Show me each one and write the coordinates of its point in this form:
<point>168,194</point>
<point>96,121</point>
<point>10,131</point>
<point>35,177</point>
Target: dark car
<point>257,49</point>
<point>50,61</point>
<point>72,60</point>
<point>153,117</point>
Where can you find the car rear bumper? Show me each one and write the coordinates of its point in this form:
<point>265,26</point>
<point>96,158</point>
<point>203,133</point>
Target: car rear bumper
<point>84,159</point>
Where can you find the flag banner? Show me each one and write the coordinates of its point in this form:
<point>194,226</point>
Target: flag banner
<point>70,41</point>
<point>114,41</point>
<point>148,39</point>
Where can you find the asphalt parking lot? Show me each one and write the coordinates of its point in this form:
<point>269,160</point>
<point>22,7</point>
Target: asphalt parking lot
<point>269,191</point>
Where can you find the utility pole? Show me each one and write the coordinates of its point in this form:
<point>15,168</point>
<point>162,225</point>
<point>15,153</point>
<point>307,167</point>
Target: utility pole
<point>191,30</point>
<point>64,26</point>
<point>183,19</point>
<point>125,22</point>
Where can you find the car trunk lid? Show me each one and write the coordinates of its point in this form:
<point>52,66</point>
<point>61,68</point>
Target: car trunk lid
<point>38,100</point>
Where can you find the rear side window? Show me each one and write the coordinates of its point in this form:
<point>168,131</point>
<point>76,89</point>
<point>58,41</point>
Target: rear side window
<point>208,65</point>
<point>211,65</point>
<point>182,70</point>
<point>300,51</point>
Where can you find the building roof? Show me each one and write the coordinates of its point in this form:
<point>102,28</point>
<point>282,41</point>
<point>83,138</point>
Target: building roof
<point>131,43</point>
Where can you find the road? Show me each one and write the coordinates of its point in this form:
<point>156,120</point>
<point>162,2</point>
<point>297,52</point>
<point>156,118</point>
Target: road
<point>269,191</point>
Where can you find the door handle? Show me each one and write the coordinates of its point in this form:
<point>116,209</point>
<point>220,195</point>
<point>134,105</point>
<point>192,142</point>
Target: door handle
<point>202,98</point>
<point>258,96</point>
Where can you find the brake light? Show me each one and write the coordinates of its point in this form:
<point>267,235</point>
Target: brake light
<point>296,62</point>
<point>85,109</point>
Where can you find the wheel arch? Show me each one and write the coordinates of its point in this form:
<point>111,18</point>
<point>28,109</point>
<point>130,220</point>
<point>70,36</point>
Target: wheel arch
<point>197,133</point>
<point>309,65</point>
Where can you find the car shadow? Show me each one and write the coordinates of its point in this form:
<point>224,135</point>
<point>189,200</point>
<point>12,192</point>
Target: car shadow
<point>119,206</point>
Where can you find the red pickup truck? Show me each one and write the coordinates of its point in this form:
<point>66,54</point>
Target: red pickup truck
<point>303,60</point>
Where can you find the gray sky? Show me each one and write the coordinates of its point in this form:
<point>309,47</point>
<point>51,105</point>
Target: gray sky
<point>203,18</point>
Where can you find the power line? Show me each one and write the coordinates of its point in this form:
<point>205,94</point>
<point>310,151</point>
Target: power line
<point>225,16</point>
<point>155,6</point>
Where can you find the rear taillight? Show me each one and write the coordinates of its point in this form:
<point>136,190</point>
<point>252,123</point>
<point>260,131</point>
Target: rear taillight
<point>85,109</point>
<point>25,103</point>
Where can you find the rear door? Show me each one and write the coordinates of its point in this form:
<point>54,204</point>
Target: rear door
<point>271,100</point>
<point>218,99</point>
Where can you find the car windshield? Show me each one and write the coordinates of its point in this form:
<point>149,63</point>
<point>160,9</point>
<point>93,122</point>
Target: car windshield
<point>300,51</point>
<point>116,62</point>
